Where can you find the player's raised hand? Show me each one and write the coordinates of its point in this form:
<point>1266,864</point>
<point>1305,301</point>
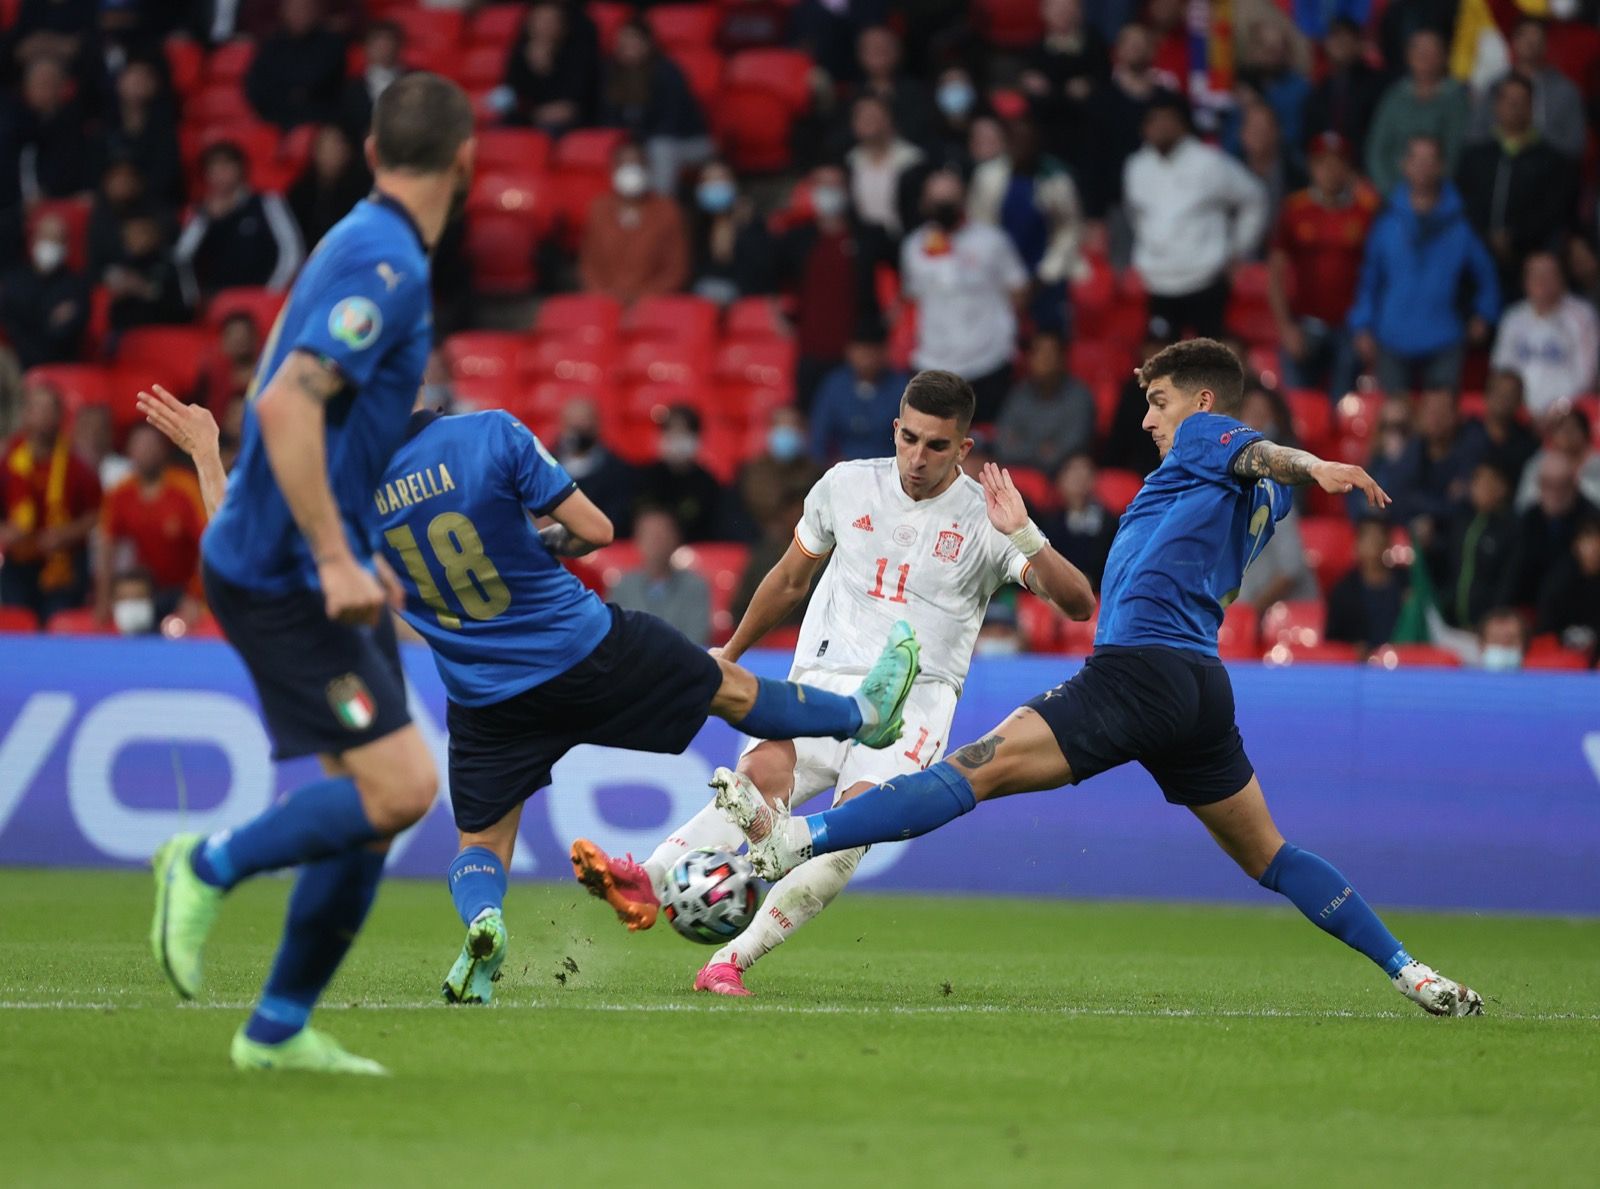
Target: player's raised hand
<point>1340,478</point>
<point>1006,510</point>
<point>191,428</point>
<point>350,594</point>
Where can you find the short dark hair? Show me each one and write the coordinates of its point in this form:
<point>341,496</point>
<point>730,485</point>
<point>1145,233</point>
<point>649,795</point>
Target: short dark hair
<point>941,394</point>
<point>419,123</point>
<point>1199,363</point>
<point>223,150</point>
<point>686,415</point>
<point>1514,80</point>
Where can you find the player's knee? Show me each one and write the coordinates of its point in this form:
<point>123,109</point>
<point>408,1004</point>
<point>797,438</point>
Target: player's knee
<point>398,799</point>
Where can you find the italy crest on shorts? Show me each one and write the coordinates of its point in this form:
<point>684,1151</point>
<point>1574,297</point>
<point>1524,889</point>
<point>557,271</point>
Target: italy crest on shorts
<point>948,546</point>
<point>355,321</point>
<point>351,702</point>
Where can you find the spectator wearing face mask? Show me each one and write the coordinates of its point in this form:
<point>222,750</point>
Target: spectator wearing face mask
<point>1000,633</point>
<point>152,522</point>
<point>958,104</point>
<point>677,483</point>
<point>634,243</point>
<point>44,305</point>
<point>828,263</point>
<point>1569,602</point>
<point>49,501</point>
<point>853,413</point>
<point>604,477</point>
<point>1502,640</point>
<point>1082,530</point>
<point>967,281</point>
<point>658,586</point>
<point>782,473</point>
<point>731,248</point>
<point>131,604</point>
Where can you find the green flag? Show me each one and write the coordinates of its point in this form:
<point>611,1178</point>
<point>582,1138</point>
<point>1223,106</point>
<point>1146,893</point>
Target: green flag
<point>1412,626</point>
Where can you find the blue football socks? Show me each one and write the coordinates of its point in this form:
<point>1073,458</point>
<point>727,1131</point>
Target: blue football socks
<point>786,710</point>
<point>329,902</point>
<point>904,808</point>
<point>313,822</point>
<point>477,881</point>
<point>1315,887</point>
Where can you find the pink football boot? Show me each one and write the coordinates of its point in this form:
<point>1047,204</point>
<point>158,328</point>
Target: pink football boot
<point>721,978</point>
<point>621,883</point>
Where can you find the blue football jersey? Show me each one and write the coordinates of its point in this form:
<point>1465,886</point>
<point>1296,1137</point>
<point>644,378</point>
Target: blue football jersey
<point>361,303</point>
<point>1183,544</point>
<point>500,613</point>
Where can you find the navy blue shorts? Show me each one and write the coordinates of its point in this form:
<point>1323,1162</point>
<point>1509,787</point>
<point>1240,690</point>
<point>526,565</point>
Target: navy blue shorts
<point>1169,710</point>
<point>645,687</point>
<point>325,687</point>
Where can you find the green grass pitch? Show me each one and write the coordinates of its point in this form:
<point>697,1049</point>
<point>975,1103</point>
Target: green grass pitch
<point>898,1041</point>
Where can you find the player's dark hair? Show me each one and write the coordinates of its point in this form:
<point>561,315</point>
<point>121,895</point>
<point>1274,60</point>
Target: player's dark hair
<point>941,394</point>
<point>419,123</point>
<point>1199,363</point>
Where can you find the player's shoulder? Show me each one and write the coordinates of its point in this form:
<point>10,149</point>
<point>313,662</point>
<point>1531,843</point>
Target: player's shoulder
<point>855,474</point>
<point>371,238</point>
<point>1206,428</point>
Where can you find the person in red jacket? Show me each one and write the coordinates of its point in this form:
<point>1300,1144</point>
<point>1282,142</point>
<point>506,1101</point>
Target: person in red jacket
<point>151,521</point>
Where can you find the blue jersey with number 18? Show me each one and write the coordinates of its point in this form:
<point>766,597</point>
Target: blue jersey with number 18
<point>499,611</point>
<point>360,304</point>
<point>1183,544</point>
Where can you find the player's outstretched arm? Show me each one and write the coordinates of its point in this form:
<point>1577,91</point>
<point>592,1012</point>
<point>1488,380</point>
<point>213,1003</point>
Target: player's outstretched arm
<point>192,429</point>
<point>780,592</point>
<point>291,413</point>
<point>580,527</point>
<point>1268,460</point>
<point>1050,576</point>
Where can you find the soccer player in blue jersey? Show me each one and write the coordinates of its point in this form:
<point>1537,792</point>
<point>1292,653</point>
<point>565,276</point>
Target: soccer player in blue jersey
<point>1153,691</point>
<point>287,568</point>
<point>534,663</point>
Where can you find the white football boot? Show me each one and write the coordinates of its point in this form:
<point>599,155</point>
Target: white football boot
<point>778,842</point>
<point>1435,994</point>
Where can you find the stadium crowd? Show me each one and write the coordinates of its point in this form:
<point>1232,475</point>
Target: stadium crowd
<point>707,242</point>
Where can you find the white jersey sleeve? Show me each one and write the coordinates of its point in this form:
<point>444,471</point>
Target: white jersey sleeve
<point>814,533</point>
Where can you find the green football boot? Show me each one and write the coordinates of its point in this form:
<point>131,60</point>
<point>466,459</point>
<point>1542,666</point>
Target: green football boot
<point>472,978</point>
<point>307,1051</point>
<point>888,685</point>
<point>186,908</point>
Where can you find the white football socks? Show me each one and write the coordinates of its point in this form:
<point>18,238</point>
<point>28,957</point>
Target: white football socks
<point>708,828</point>
<point>793,900</point>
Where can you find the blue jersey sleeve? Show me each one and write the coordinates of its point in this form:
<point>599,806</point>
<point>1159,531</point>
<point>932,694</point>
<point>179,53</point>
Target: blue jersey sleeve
<point>541,483</point>
<point>1207,443</point>
<point>363,308</point>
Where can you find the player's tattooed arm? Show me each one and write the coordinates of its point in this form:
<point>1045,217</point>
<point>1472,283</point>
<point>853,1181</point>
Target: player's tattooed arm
<point>1268,460</point>
<point>975,755</point>
<point>559,540</point>
<point>313,375</point>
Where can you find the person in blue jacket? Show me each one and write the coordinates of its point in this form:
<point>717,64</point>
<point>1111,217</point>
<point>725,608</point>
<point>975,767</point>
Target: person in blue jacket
<point>1422,259</point>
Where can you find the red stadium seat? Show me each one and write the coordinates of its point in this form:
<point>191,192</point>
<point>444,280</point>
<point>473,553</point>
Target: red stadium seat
<point>678,25</point>
<point>1355,422</point>
<point>1317,654</point>
<point>702,69</point>
<point>496,25</point>
<point>590,317</point>
<point>587,150</point>
<point>1239,638</point>
<point>745,406</point>
<point>755,318</point>
<point>573,360</point>
<point>1249,315</point>
<point>186,63</point>
<point>487,392</point>
<point>1546,652</point>
<point>609,562</point>
<point>500,247</point>
<point>1037,489</point>
<point>768,364</point>
<point>784,73</point>
<point>480,68</point>
<point>1096,362</point>
<point>539,405</point>
<point>1298,623</point>
<point>1040,624</point>
<point>18,619</point>
<point>218,103</point>
<point>675,317</point>
<point>608,18</point>
<point>680,364</point>
<point>228,63</point>
<point>1116,488</point>
<point>1077,636</point>
<point>430,26</point>
<point>1106,399</point>
<point>261,304</point>
<point>1330,546</point>
<point>74,212</point>
<point>1407,656</point>
<point>1312,415</point>
<point>573,195</point>
<point>79,621</point>
<point>513,150</point>
<point>520,195</point>
<point>483,354</point>
<point>78,383</point>
<point>1010,24</point>
<point>170,355</point>
<point>753,124</point>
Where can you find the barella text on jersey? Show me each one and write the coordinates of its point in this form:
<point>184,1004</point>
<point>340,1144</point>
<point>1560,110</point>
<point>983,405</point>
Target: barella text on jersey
<point>413,488</point>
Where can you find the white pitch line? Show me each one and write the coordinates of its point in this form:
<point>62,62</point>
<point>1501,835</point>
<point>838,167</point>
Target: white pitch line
<point>824,1009</point>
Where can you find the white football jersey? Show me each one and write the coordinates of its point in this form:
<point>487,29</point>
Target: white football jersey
<point>933,563</point>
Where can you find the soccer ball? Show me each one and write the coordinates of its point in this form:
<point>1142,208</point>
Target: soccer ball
<point>710,896</point>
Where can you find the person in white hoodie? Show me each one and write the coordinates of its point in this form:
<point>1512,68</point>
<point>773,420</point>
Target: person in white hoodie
<point>1193,211</point>
<point>1551,338</point>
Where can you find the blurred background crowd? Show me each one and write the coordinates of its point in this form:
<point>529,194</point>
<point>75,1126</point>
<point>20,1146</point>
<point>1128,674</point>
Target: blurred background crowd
<point>707,243</point>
